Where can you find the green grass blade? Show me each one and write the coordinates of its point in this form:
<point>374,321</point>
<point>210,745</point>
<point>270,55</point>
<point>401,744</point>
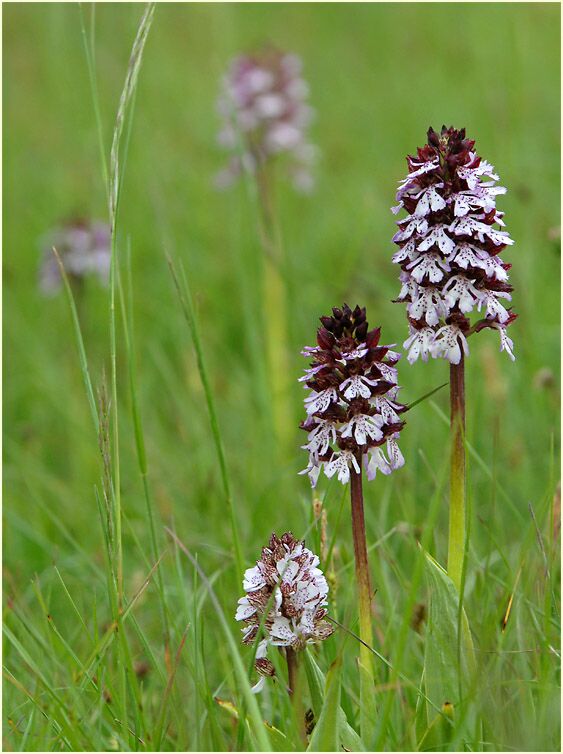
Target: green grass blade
<point>250,699</point>
<point>325,734</point>
<point>186,301</point>
<point>79,343</point>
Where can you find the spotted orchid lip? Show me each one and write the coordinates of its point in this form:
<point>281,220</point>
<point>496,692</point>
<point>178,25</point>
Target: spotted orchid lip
<point>449,248</point>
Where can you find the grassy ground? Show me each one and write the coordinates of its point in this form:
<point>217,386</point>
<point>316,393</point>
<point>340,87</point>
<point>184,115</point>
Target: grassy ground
<point>379,74</point>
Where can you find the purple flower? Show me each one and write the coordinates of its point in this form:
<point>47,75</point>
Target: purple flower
<point>84,247</point>
<point>288,592</point>
<point>352,408</point>
<point>449,250</point>
<point>265,113</point>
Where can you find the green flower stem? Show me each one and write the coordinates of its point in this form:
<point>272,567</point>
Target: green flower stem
<point>275,309</point>
<point>363,581</point>
<point>295,688</point>
<point>456,542</point>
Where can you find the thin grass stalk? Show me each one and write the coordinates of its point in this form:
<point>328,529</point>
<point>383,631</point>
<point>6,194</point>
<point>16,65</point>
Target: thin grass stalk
<point>186,302</point>
<point>115,183</point>
<point>258,729</point>
<point>363,581</point>
<point>127,317</point>
<point>79,342</point>
<point>457,524</point>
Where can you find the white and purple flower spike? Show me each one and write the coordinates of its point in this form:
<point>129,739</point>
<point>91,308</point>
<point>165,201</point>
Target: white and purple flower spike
<point>84,247</point>
<point>265,112</point>
<point>449,249</point>
<point>352,407</point>
<point>290,601</point>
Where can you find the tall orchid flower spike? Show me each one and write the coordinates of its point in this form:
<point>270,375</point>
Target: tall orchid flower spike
<point>450,250</point>
<point>265,114</point>
<point>287,592</point>
<point>353,420</point>
<point>265,122</point>
<point>450,245</point>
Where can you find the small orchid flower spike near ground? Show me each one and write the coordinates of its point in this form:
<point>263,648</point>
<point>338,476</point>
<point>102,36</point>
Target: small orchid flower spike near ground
<point>265,114</point>
<point>353,418</point>
<point>450,244</point>
<point>287,592</point>
<point>84,247</point>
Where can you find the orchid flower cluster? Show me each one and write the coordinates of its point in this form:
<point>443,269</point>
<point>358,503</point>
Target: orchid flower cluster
<point>84,247</point>
<point>265,112</point>
<point>449,250</point>
<point>287,593</point>
<point>352,408</point>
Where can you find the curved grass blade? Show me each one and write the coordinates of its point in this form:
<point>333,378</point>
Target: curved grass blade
<point>251,703</point>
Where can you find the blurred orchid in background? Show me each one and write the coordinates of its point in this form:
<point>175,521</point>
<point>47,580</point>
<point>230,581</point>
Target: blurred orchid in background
<point>265,113</point>
<point>84,247</point>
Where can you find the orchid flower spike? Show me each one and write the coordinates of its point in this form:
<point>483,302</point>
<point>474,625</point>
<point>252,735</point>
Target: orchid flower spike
<point>265,113</point>
<point>352,408</point>
<point>287,592</point>
<point>449,249</point>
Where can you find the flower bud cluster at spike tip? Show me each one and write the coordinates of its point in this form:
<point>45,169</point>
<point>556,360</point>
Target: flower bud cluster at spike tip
<point>288,592</point>
<point>84,247</point>
<point>449,250</point>
<point>351,409</point>
<point>265,112</point>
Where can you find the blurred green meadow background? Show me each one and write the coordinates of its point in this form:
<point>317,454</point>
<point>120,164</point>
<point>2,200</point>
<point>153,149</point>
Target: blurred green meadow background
<point>380,74</point>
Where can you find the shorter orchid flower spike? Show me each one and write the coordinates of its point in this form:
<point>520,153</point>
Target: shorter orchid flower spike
<point>84,247</point>
<point>352,408</point>
<point>265,113</point>
<point>287,592</point>
<point>449,249</point>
